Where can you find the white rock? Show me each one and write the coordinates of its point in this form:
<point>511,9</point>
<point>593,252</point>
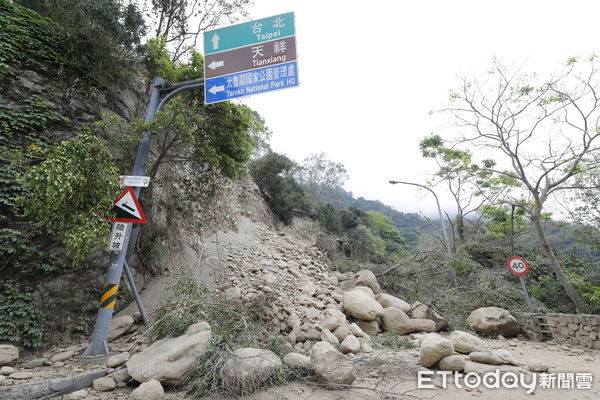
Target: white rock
<point>394,319</point>
<point>452,363</point>
<point>330,365</point>
<point>350,345</point>
<point>434,348</point>
<point>369,327</point>
<point>78,395</point>
<point>356,331</point>
<point>485,358</point>
<point>8,354</point>
<point>466,343</point>
<point>117,360</point>
<point>248,368</point>
<point>297,361</point>
<point>424,325</point>
<point>150,390</point>
<point>365,289</point>
<point>421,311</point>
<point>366,277</point>
<point>360,305</point>
<point>104,384</point>
<point>327,336</point>
<point>170,361</point>
<point>6,370</point>
<point>119,326</point>
<point>493,321</point>
<point>341,333</point>
<point>233,293</point>
<point>387,300</point>
<point>21,375</point>
<point>62,356</point>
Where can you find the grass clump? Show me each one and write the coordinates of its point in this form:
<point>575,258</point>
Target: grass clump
<point>393,340</point>
<point>233,326</point>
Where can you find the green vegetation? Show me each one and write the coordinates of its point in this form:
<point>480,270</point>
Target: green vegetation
<point>21,321</point>
<point>70,192</point>
<point>233,326</point>
<point>394,341</point>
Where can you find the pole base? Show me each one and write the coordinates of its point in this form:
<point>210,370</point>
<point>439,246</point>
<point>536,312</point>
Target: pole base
<point>97,352</point>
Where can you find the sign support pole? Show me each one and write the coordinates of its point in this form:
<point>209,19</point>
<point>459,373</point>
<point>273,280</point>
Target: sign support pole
<point>99,349</point>
<point>512,251</point>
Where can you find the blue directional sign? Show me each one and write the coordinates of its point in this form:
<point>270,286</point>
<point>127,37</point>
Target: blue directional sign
<point>261,30</point>
<point>254,81</point>
<point>250,58</point>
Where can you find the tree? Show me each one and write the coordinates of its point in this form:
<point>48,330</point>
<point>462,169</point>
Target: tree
<point>180,22</point>
<point>273,173</point>
<point>474,187</point>
<point>544,130</point>
<point>318,174</point>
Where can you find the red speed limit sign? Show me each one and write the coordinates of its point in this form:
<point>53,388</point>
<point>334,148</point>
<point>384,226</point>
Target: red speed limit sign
<point>518,265</point>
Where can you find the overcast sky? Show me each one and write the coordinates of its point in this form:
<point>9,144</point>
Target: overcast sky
<point>370,73</point>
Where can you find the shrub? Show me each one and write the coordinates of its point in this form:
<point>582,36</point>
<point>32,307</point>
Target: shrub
<point>21,321</point>
<point>393,340</point>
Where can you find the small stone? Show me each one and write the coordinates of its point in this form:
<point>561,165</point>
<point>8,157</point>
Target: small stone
<point>35,363</point>
<point>350,345</point>
<point>65,355</point>
<point>150,390</point>
<point>21,375</point>
<point>7,370</point>
<point>8,354</point>
<point>80,394</point>
<point>117,360</point>
<point>58,364</point>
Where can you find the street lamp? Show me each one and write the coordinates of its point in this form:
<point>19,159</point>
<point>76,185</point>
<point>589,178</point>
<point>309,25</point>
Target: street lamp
<point>441,220</point>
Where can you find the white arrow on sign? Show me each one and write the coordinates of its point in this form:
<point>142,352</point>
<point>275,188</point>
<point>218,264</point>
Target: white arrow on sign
<point>216,64</point>
<point>216,89</point>
<point>215,41</point>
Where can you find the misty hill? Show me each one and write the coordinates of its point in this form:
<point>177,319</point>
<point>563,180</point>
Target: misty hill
<point>410,225</point>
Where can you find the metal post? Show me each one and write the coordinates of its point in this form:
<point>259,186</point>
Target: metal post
<point>527,299</point>
<point>136,295</point>
<point>454,279</point>
<point>512,252</point>
<point>98,349</point>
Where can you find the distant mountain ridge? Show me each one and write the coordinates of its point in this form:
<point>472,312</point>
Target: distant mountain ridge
<point>410,225</point>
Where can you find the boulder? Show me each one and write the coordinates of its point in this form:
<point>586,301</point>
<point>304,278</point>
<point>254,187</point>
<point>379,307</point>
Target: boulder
<point>297,361</point>
<point>248,368</point>
<point>351,344</point>
<point>368,327</point>
<point>150,390</point>
<point>119,326</point>
<point>330,365</point>
<point>170,361</point>
<point>485,358</point>
<point>9,354</point>
<point>493,321</point>
<point>333,319</point>
<point>356,331</point>
<point>434,348</point>
<point>104,384</point>
<point>367,278</point>
<point>342,332</point>
<point>365,289</point>
<point>360,305</point>
<point>117,360</point>
<point>327,336</point>
<point>507,357</point>
<point>466,343</point>
<point>6,370</point>
<point>424,325</point>
<point>452,363</point>
<point>394,319</point>
<point>387,300</point>
<point>421,311</point>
